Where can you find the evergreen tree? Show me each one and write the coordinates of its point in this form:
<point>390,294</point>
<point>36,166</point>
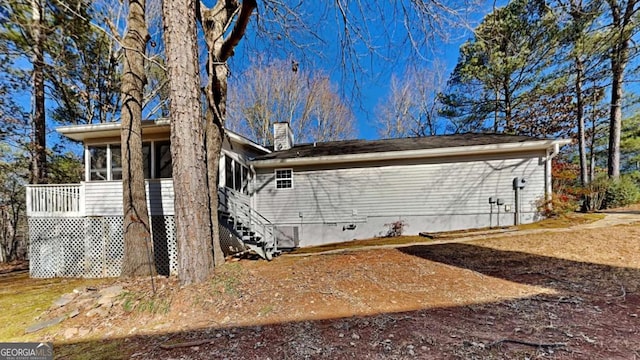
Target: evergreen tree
<point>581,61</point>
<point>622,30</point>
<point>62,48</point>
<point>500,72</point>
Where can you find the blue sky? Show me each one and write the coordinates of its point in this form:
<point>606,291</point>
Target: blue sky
<point>372,78</point>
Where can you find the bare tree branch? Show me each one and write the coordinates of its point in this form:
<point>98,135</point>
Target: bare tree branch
<point>238,30</point>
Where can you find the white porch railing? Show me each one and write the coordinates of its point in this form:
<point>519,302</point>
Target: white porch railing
<point>65,200</point>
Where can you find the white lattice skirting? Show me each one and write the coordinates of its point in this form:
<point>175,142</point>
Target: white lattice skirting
<point>92,246</point>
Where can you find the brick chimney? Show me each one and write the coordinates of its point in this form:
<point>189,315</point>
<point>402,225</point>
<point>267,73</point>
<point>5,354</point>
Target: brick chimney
<point>282,136</point>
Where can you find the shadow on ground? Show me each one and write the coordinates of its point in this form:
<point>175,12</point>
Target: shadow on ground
<point>637,212</point>
<point>593,314</point>
<point>531,269</point>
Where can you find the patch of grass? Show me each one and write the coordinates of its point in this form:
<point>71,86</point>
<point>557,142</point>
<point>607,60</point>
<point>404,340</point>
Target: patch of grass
<point>22,299</point>
<point>143,303</point>
<point>112,349</point>
<point>227,280</point>
<point>563,221</point>
<point>265,310</point>
<point>398,240</point>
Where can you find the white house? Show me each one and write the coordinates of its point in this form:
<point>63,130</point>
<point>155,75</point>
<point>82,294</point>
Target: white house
<point>295,195</point>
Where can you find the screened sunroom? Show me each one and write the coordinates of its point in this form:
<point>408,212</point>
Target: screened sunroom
<point>86,218</point>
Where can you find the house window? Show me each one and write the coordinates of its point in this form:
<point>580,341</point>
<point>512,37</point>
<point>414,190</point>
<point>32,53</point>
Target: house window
<point>106,161</point>
<point>284,179</point>
<point>228,172</point>
<point>245,180</point>
<point>236,175</point>
<point>146,160</point>
<point>116,162</point>
<point>163,159</point>
<point>98,162</point>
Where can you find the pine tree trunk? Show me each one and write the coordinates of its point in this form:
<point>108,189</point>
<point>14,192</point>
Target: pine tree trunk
<point>216,93</point>
<point>214,24</point>
<point>508,117</point>
<point>615,118</point>
<point>38,126</point>
<point>138,245</point>
<point>6,236</point>
<point>582,148</point>
<point>592,151</point>
<point>622,20</point>
<point>214,137</point>
<point>192,208</point>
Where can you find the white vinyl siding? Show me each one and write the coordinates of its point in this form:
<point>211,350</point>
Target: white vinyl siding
<point>104,198</point>
<point>433,189</point>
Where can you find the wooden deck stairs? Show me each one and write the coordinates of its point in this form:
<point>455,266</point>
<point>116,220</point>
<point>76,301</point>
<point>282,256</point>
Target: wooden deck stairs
<point>255,232</point>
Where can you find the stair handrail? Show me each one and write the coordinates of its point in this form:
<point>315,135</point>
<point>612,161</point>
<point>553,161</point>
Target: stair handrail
<point>242,210</point>
<point>237,199</point>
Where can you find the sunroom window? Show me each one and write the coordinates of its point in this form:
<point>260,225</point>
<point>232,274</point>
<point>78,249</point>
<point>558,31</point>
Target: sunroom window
<point>116,162</point>
<point>163,159</point>
<point>146,159</point>
<point>236,175</point>
<point>98,163</point>
<point>105,161</point>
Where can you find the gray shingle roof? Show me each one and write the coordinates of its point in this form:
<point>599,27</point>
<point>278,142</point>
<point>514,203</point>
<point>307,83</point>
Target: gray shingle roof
<point>374,146</point>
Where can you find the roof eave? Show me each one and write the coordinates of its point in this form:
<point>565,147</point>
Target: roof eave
<point>242,140</point>
<point>96,131</point>
<point>413,154</point>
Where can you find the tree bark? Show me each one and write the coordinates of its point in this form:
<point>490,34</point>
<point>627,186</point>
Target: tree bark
<point>615,117</point>
<point>138,245</point>
<point>38,126</point>
<point>508,118</point>
<point>582,148</point>
<point>192,209</point>
<point>622,15</point>
<point>214,22</point>
<point>214,137</point>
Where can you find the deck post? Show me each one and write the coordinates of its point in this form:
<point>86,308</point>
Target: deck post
<point>81,201</point>
<point>29,200</point>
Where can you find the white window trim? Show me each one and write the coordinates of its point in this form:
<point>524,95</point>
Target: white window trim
<point>275,176</point>
<point>87,163</point>
<point>109,177</point>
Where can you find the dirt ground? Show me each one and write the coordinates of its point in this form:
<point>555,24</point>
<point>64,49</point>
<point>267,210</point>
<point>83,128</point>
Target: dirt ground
<point>553,294</point>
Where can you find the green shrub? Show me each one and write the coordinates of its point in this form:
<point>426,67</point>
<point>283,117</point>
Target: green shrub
<point>621,192</point>
<point>635,177</point>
